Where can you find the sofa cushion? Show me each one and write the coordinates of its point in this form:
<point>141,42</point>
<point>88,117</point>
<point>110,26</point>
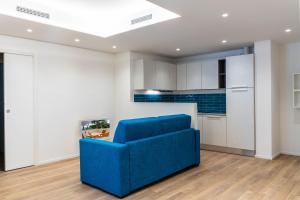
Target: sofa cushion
<point>133,129</point>
<point>154,158</point>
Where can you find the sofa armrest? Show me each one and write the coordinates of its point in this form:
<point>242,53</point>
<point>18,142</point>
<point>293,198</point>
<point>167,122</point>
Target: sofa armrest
<point>197,146</point>
<point>105,165</point>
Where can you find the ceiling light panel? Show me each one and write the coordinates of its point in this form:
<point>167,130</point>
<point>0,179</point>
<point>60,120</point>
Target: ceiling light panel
<point>94,17</point>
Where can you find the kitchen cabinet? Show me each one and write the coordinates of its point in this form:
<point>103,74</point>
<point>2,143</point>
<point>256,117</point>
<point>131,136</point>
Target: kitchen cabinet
<point>194,76</point>
<point>210,74</point>
<point>200,127</point>
<point>240,118</point>
<point>165,76</point>
<point>181,77</point>
<point>144,74</point>
<point>240,71</point>
<point>214,130</point>
<point>198,75</point>
<point>151,74</point>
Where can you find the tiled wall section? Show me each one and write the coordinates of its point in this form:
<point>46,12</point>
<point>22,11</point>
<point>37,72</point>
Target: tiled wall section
<point>207,103</point>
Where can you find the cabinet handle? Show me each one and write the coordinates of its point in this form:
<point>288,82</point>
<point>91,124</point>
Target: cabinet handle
<point>238,86</point>
<point>240,90</point>
<point>215,117</point>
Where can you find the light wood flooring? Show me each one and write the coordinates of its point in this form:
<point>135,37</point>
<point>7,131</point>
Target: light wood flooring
<point>220,176</point>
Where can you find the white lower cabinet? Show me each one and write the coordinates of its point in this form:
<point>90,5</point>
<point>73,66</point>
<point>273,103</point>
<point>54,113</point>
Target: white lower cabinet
<point>200,127</point>
<point>214,129</point>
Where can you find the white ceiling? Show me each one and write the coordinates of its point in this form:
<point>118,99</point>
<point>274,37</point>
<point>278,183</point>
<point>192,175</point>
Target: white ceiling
<point>94,17</point>
<point>199,30</point>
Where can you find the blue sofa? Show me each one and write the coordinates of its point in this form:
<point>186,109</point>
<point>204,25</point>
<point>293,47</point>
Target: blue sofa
<point>143,151</point>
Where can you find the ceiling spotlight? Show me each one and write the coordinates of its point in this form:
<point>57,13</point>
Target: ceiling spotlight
<point>288,30</point>
<point>77,40</point>
<point>225,15</point>
<point>29,30</point>
<point>178,49</point>
<point>114,46</point>
<point>224,41</point>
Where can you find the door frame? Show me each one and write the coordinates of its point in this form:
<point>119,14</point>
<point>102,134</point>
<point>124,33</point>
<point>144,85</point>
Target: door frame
<point>35,99</point>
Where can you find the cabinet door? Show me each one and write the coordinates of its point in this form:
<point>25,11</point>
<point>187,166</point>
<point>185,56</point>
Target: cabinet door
<point>172,76</point>
<point>240,118</point>
<point>181,77</point>
<point>138,75</point>
<point>194,76</point>
<point>210,74</point>
<point>149,74</point>
<point>240,71</point>
<point>215,130</point>
<point>200,127</point>
<point>165,76</point>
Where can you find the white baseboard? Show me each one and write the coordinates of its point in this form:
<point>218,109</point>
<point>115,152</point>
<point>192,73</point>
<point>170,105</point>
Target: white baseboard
<point>275,155</point>
<point>264,157</point>
<point>57,159</point>
<point>291,153</point>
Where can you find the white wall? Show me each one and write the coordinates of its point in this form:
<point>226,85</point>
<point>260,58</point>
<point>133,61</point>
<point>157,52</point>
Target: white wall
<point>72,84</point>
<point>126,108</point>
<point>289,117</point>
<point>266,99</point>
<point>275,92</point>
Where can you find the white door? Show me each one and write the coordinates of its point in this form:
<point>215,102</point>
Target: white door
<point>181,77</point>
<point>215,130</point>
<point>210,74</point>
<point>240,118</point>
<point>240,71</point>
<point>18,108</point>
<point>194,76</point>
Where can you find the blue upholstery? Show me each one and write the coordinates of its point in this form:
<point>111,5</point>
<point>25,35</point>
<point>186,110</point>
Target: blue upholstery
<point>105,165</point>
<point>156,157</point>
<point>133,129</point>
<point>144,151</point>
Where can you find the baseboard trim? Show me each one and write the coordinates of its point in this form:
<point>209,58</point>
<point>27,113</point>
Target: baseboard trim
<point>276,155</point>
<point>227,150</point>
<point>264,157</point>
<point>290,153</point>
<point>57,159</point>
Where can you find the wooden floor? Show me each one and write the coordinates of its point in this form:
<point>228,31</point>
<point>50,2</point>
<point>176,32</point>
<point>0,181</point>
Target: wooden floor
<point>220,176</point>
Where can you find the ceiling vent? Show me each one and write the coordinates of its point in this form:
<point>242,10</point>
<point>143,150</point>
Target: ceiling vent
<point>33,12</point>
<point>141,19</point>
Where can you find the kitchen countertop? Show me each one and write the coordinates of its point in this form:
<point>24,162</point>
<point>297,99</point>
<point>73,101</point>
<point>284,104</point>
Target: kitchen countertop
<point>215,114</point>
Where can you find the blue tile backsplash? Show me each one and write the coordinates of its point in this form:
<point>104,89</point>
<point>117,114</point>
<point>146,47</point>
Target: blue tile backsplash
<point>206,103</point>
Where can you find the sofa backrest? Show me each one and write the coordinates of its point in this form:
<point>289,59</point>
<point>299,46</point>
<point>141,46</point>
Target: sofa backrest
<point>134,129</point>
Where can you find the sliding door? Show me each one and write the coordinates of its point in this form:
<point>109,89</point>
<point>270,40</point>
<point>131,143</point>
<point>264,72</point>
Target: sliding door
<point>18,108</point>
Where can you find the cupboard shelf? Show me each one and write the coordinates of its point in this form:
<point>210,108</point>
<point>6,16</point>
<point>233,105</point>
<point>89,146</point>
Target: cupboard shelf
<point>296,90</point>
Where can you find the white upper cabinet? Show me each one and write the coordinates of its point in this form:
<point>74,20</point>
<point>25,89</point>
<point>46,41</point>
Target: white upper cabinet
<point>210,74</point>
<point>165,76</point>
<point>194,76</point>
<point>150,74</point>
<point>144,75</point>
<point>181,77</point>
<point>240,71</point>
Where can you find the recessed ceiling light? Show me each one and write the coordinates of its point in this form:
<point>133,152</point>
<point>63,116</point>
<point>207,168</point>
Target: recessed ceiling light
<point>77,40</point>
<point>225,15</point>
<point>178,49</point>
<point>224,41</point>
<point>29,30</point>
<point>114,46</point>
<point>288,30</point>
